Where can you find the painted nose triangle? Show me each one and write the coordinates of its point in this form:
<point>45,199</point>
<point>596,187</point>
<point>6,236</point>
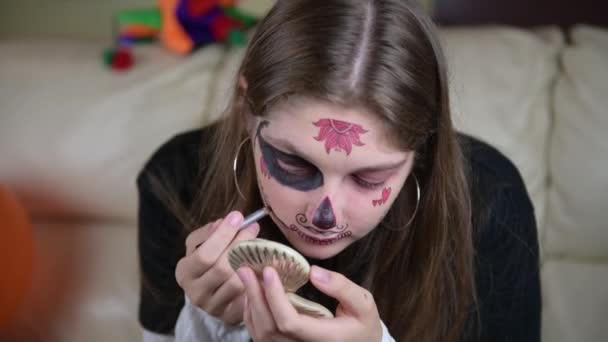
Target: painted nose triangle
<point>324,217</point>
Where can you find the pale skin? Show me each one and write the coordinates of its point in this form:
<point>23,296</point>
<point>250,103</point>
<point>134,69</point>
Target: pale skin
<point>346,178</point>
<point>204,272</point>
<point>269,316</point>
<point>348,206</point>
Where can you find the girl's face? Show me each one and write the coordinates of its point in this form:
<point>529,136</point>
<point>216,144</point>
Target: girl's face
<point>328,173</point>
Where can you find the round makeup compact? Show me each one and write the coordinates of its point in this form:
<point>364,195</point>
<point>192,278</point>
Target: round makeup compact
<point>290,265</point>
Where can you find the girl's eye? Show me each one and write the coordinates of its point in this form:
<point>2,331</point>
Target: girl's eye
<point>296,169</point>
<point>366,184</point>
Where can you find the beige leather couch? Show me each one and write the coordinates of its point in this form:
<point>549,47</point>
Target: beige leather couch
<point>73,136</point>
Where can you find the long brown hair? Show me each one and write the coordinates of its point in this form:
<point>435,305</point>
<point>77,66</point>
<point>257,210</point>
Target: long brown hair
<point>381,55</point>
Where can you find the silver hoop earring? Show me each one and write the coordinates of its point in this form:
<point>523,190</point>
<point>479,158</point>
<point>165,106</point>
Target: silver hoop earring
<point>415,209</point>
<point>234,167</point>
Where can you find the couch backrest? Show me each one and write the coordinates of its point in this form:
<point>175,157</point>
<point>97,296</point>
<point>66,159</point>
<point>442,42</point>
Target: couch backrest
<point>74,135</point>
<point>82,19</point>
<point>578,159</point>
<point>501,81</point>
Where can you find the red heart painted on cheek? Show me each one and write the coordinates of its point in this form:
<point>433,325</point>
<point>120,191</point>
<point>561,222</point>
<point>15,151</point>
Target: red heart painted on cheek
<point>264,169</point>
<point>385,193</point>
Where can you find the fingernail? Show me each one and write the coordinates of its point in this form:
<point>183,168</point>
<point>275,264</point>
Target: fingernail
<point>319,274</point>
<point>254,228</point>
<point>235,218</point>
<point>243,275</point>
<point>268,276</point>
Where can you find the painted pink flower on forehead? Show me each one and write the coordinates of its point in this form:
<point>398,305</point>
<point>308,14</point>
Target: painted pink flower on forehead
<point>339,135</point>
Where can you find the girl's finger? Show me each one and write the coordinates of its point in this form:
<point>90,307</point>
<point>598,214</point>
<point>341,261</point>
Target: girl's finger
<point>247,319</point>
<point>212,248</point>
<point>284,314</point>
<point>227,292</point>
<point>354,300</point>
<point>200,235</point>
<point>233,313</point>
<point>187,270</point>
<point>221,270</point>
<point>260,313</point>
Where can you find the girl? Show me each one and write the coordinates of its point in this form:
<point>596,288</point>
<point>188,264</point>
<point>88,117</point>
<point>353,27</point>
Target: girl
<point>340,125</point>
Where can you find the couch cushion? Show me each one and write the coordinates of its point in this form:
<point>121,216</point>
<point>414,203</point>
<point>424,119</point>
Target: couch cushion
<point>500,81</point>
<point>86,284</point>
<point>575,301</point>
<point>578,196</point>
<point>73,135</point>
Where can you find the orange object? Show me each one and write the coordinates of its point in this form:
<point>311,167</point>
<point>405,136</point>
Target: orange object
<point>16,256</point>
<point>172,35</point>
<point>139,31</point>
<point>227,3</point>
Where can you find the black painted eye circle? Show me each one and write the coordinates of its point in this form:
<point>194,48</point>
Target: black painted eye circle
<point>296,168</point>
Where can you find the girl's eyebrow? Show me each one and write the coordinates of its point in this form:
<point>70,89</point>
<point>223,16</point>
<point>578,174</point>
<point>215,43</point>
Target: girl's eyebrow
<point>290,150</point>
<point>382,167</point>
<point>294,152</point>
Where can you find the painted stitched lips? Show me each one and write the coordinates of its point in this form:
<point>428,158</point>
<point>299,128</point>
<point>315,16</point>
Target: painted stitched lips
<point>339,135</point>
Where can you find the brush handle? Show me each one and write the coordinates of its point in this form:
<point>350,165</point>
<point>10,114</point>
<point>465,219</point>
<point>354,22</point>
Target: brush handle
<point>254,217</point>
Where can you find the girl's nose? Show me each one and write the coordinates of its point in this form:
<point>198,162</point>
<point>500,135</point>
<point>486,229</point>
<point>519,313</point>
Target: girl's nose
<point>324,216</point>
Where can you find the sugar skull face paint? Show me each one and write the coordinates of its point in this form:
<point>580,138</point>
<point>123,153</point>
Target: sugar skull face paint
<point>339,135</point>
<point>323,216</point>
<point>326,238</point>
<point>321,200</point>
<point>282,166</point>
<point>264,169</point>
<point>386,192</point>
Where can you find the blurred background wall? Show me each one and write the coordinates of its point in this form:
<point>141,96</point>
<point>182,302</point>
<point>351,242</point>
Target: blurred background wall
<point>90,19</point>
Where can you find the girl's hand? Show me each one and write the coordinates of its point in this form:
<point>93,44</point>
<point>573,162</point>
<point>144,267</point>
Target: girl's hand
<point>270,317</point>
<point>205,274</point>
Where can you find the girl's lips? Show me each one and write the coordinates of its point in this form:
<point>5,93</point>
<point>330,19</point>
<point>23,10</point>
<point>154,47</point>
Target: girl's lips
<point>306,237</point>
<point>317,241</point>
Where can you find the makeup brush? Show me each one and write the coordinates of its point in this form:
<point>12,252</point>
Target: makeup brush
<point>251,218</point>
<point>254,217</point>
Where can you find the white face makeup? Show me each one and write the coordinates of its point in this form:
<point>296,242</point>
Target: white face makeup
<point>328,173</point>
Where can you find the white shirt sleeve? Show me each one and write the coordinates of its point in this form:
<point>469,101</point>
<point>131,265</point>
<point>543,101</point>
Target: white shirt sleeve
<point>148,336</point>
<point>386,336</point>
<point>194,324</point>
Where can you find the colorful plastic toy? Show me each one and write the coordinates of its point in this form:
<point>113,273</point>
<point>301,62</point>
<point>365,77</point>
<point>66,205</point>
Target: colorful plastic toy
<point>183,26</point>
<point>189,24</point>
